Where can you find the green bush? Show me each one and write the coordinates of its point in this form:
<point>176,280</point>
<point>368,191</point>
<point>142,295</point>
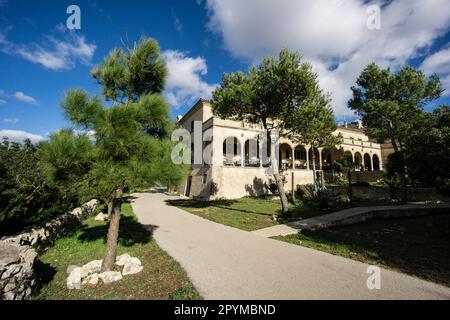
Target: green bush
<point>26,197</point>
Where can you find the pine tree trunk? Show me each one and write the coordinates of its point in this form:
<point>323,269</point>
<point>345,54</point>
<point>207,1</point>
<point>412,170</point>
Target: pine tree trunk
<point>110,207</point>
<point>113,232</point>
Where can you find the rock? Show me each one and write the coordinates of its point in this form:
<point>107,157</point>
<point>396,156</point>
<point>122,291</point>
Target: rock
<point>90,206</point>
<point>93,266</point>
<point>84,272</point>
<point>11,271</point>
<point>90,280</point>
<point>134,260</point>
<point>101,217</point>
<point>8,254</point>
<point>78,212</point>
<point>110,276</point>
<point>122,259</point>
<point>131,268</point>
<point>71,268</point>
<point>74,279</point>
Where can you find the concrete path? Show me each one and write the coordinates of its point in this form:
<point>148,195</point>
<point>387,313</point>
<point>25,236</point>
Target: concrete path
<point>228,263</point>
<point>351,216</point>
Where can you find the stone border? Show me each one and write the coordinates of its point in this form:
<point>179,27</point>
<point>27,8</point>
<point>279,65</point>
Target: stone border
<point>18,252</point>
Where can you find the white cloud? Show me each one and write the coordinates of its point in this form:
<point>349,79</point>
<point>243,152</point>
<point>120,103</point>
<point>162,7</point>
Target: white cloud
<point>24,98</point>
<point>55,53</point>
<point>2,101</point>
<point>19,135</point>
<point>439,62</point>
<point>332,34</point>
<point>11,120</point>
<point>184,82</point>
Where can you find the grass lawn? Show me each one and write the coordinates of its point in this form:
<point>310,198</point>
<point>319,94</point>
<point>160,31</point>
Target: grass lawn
<point>418,246</point>
<point>162,277</point>
<point>246,213</point>
<point>251,214</point>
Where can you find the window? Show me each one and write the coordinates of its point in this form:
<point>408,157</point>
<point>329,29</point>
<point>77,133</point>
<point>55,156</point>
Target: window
<point>205,178</point>
<point>192,126</point>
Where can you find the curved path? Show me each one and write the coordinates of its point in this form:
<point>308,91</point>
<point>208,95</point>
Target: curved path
<point>228,263</point>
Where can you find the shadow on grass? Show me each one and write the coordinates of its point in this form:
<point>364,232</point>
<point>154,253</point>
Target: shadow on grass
<point>130,232</point>
<point>44,275</point>
<point>395,243</point>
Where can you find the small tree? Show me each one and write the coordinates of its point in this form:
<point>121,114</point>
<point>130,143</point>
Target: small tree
<point>126,148</point>
<point>314,124</point>
<point>269,95</point>
<point>389,104</point>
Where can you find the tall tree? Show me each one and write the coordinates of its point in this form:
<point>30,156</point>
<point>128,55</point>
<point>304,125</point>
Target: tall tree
<point>126,149</point>
<point>269,95</point>
<point>389,103</point>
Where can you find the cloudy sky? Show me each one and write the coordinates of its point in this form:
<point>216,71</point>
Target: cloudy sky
<point>200,39</point>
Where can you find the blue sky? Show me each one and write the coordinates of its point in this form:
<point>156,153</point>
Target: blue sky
<point>200,39</point>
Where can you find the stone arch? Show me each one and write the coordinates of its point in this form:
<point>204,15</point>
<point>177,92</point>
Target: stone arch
<point>376,163</point>
<point>367,162</point>
<point>358,161</point>
<point>317,160</point>
<point>300,157</point>
<point>251,152</point>
<point>231,151</point>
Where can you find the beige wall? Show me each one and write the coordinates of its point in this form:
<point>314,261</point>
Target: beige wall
<point>236,182</point>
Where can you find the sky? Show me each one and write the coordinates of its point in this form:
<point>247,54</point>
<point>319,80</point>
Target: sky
<point>40,59</point>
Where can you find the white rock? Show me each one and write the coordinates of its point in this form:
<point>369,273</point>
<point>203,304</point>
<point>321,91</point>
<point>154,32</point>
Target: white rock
<point>110,276</point>
<point>84,272</point>
<point>93,266</point>
<point>134,260</point>
<point>78,212</point>
<point>101,217</point>
<point>122,259</point>
<point>131,268</point>
<point>74,279</point>
<point>71,268</point>
<point>90,280</point>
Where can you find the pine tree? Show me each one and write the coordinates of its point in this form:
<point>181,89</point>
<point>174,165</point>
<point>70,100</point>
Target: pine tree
<point>126,150</point>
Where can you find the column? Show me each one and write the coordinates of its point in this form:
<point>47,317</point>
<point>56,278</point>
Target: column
<point>307,157</point>
<point>320,157</point>
<point>242,154</point>
<point>293,157</point>
<point>371,162</point>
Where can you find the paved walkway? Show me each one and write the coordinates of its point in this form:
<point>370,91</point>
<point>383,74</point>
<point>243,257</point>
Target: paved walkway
<point>228,263</point>
<point>351,216</point>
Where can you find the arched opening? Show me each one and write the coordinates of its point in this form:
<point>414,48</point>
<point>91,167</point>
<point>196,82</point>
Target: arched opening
<point>285,156</point>
<point>300,159</point>
<point>317,158</point>
<point>367,162</point>
<point>348,157</point>
<point>251,152</point>
<point>232,152</point>
<point>376,163</point>
<point>327,161</point>
<point>358,162</point>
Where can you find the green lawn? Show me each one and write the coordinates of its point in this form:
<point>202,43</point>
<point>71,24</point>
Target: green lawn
<point>246,213</point>
<point>251,213</point>
<point>162,277</point>
<point>417,246</point>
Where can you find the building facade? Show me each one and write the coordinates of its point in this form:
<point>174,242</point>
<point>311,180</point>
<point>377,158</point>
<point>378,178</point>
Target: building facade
<point>238,167</point>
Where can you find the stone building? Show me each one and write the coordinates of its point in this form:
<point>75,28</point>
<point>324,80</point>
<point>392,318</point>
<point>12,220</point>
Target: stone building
<point>237,170</point>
